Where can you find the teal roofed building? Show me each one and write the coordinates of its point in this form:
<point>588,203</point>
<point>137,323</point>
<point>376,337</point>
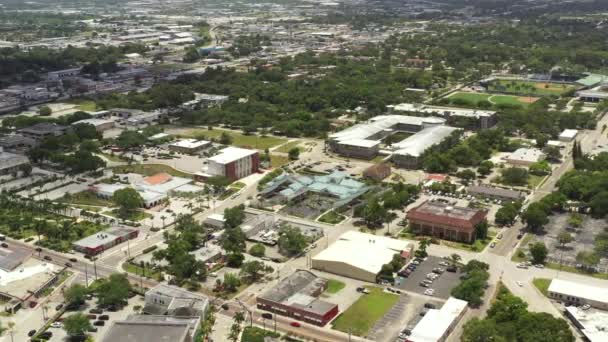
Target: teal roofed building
<point>592,80</point>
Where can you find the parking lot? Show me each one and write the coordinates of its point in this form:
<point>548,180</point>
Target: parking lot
<point>442,285</point>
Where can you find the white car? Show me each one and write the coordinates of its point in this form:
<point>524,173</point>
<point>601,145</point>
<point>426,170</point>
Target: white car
<point>519,283</point>
<point>56,325</point>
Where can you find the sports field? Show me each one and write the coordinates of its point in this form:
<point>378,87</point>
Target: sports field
<point>463,98</point>
<point>529,87</point>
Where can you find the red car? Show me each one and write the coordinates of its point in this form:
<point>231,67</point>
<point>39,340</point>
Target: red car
<point>295,324</point>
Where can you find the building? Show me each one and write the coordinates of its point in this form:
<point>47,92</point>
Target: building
<point>189,146</point>
<point>216,221</point>
<point>591,323</point>
<point>43,130</point>
<point>174,301</point>
<point>572,293</point>
<point>408,153</point>
<point>233,163</point>
<point>344,257</point>
<point>17,143</point>
<point>153,328</point>
<point>525,156</point>
<point>101,125</point>
<point>101,241</point>
<point>363,140</point>
<point>459,117</point>
<point>210,254</point>
<point>63,74</point>
<point>11,163</point>
<point>492,192</point>
<point>568,135</point>
<point>436,325</point>
<point>378,171</point>
<point>296,296</point>
<point>445,221</point>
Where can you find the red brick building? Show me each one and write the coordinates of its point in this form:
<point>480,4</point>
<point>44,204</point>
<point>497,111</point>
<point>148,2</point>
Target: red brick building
<point>445,221</point>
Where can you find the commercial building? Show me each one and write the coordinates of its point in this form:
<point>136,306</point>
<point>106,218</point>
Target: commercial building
<point>525,156</point>
<point>17,143</point>
<point>568,135</point>
<point>10,162</point>
<point>459,117</point>
<point>492,192</point>
<point>216,221</point>
<point>99,242</point>
<point>593,95</point>
<point>174,301</point>
<point>233,163</point>
<point>573,293</point>
<point>363,140</point>
<point>360,256</point>
<point>378,171</point>
<point>209,254</point>
<point>591,323</point>
<point>189,146</point>
<point>43,130</point>
<point>407,153</point>
<point>153,328</point>
<point>101,125</point>
<point>436,325</point>
<point>445,221</point>
<point>296,296</point>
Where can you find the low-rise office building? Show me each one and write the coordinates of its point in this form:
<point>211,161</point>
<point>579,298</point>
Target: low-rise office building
<point>153,328</point>
<point>493,192</point>
<point>17,143</point>
<point>174,301</point>
<point>568,135</point>
<point>101,241</point>
<point>189,146</point>
<point>437,324</point>
<point>525,156</point>
<point>233,163</point>
<point>296,296</point>
<point>408,153</point>
<point>445,221</point>
<point>11,163</point>
<point>573,293</point>
<point>459,117</point>
<point>43,130</point>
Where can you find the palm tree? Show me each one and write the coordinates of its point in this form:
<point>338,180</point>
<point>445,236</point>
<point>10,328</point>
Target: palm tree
<point>163,218</point>
<point>239,317</point>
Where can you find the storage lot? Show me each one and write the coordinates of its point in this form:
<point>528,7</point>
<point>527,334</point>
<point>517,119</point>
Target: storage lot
<point>442,285</point>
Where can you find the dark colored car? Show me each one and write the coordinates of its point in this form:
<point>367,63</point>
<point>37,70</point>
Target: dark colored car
<point>31,333</point>
<point>451,269</point>
<point>67,264</point>
<point>96,311</point>
<point>91,316</point>
<point>48,257</point>
<point>46,335</point>
<point>104,317</point>
<point>430,306</point>
<point>73,260</point>
<point>267,315</point>
<point>38,249</point>
<point>225,306</point>
<point>58,307</point>
<point>99,323</point>
<point>4,244</point>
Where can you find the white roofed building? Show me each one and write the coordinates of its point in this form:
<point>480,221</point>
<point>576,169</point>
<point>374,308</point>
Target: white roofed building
<point>189,146</point>
<point>570,292</point>
<point>436,325</point>
<point>407,153</point>
<point>525,156</point>
<point>233,163</point>
<point>568,135</point>
<point>360,255</point>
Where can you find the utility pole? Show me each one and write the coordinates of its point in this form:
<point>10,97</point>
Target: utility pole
<point>86,275</point>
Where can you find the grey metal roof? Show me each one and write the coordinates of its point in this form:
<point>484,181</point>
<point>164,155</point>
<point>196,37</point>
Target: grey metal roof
<point>416,144</point>
<point>380,123</point>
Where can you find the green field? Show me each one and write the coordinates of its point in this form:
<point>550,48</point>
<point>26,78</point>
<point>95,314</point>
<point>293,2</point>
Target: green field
<point>475,98</point>
<point>542,284</point>
<point>134,216</point>
<point>529,88</point>
<point>278,160</point>
<point>238,139</point>
<point>150,170</point>
<point>334,286</point>
<point>84,105</point>
<point>332,217</point>
<point>286,147</point>
<point>363,314</point>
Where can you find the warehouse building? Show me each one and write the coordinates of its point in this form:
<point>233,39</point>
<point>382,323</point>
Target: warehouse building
<point>363,140</point>
<point>101,125</point>
<point>492,192</point>
<point>101,241</point>
<point>233,163</point>
<point>154,328</point>
<point>11,163</point>
<point>436,325</point>
<point>459,117</point>
<point>189,146</point>
<point>445,221</point>
<point>408,153</point>
<point>296,296</point>
<point>344,257</point>
<point>577,294</point>
<point>591,323</point>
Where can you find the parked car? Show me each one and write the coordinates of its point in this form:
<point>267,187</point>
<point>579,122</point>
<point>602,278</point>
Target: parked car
<point>92,329</point>
<point>96,311</point>
<point>99,323</point>
<point>46,335</point>
<point>67,264</point>
<point>56,325</point>
<point>430,306</point>
<point>47,257</point>
<point>31,333</point>
<point>225,306</point>
<point>58,307</point>
<point>452,269</point>
<point>493,244</point>
<point>295,324</point>
<point>104,317</point>
<point>586,307</point>
<point>91,316</point>
<point>267,315</point>
<point>4,244</point>
<point>423,284</point>
<point>73,260</point>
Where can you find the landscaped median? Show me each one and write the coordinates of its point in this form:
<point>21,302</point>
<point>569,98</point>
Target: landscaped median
<point>365,312</point>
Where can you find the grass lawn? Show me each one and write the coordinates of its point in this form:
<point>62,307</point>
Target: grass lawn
<point>134,216</point>
<point>229,192</point>
<point>84,105</point>
<point>529,87</point>
<point>113,157</point>
<point>470,97</point>
<point>334,286</point>
<point>257,334</point>
<point>534,181</point>
<point>526,240</point>
<point>478,246</point>
<point>332,217</point>
<point>475,98</point>
<point>86,198</point>
<point>508,100</point>
<point>238,185</point>
<point>137,270</point>
<point>363,314</point>
<point>238,139</point>
<point>542,284</point>
<point>150,169</point>
<point>286,147</point>
<point>277,160</point>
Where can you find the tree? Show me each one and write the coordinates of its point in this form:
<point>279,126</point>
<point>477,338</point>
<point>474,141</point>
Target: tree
<point>233,240</point>
<point>481,330</point>
<point>481,230</point>
<point>553,154</point>
<point>422,245</point>
<point>506,214</point>
<point>599,204</point>
<point>75,295</point>
<point>257,250</point>
<point>218,183</point>
<point>225,139</point>
<point>234,217</point>
<point>26,169</point>
<point>455,259</point>
<point>514,176</point>
<point>466,175</point>
<point>231,282</point>
<point>575,220</point>
<point>294,153</point>
<point>535,217</point>
<point>128,200</point>
<point>541,168</point>
<point>235,259</point>
<point>541,326</point>
<point>253,271</point>
<point>45,111</point>
<point>76,325</point>
<point>564,238</point>
<point>129,139</point>
<point>588,259</point>
<point>114,290</point>
<point>291,241</point>
<point>485,168</point>
<point>374,214</point>
<point>235,331</point>
<point>191,55</point>
<point>539,252</point>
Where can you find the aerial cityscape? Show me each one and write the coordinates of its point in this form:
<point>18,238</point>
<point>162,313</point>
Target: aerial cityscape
<point>304,170</point>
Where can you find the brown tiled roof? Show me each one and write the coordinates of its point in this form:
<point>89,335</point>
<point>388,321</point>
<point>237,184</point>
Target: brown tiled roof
<point>158,178</point>
<point>461,219</point>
